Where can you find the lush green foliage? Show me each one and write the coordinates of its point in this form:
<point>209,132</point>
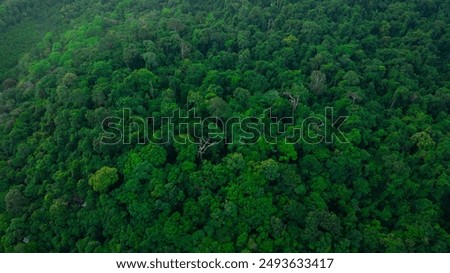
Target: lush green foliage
<point>22,25</point>
<point>383,63</point>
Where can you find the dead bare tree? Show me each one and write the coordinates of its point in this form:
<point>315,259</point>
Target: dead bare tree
<point>354,97</point>
<point>294,100</point>
<point>318,82</point>
<point>184,50</point>
<point>204,146</point>
<point>294,94</point>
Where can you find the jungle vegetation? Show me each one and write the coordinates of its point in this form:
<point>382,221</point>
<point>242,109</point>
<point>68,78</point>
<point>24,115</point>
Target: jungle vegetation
<point>67,65</point>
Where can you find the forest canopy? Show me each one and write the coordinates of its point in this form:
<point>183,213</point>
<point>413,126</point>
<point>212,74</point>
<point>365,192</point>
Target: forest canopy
<point>71,64</point>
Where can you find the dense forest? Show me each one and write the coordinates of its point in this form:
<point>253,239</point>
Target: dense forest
<point>67,65</point>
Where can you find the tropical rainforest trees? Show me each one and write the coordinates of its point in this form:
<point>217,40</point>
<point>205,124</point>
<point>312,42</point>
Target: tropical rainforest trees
<point>384,64</point>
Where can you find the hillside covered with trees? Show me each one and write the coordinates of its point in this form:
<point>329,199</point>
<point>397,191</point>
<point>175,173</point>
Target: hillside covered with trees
<point>67,65</point>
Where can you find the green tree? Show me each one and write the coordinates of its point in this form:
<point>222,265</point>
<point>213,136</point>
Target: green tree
<point>103,179</point>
